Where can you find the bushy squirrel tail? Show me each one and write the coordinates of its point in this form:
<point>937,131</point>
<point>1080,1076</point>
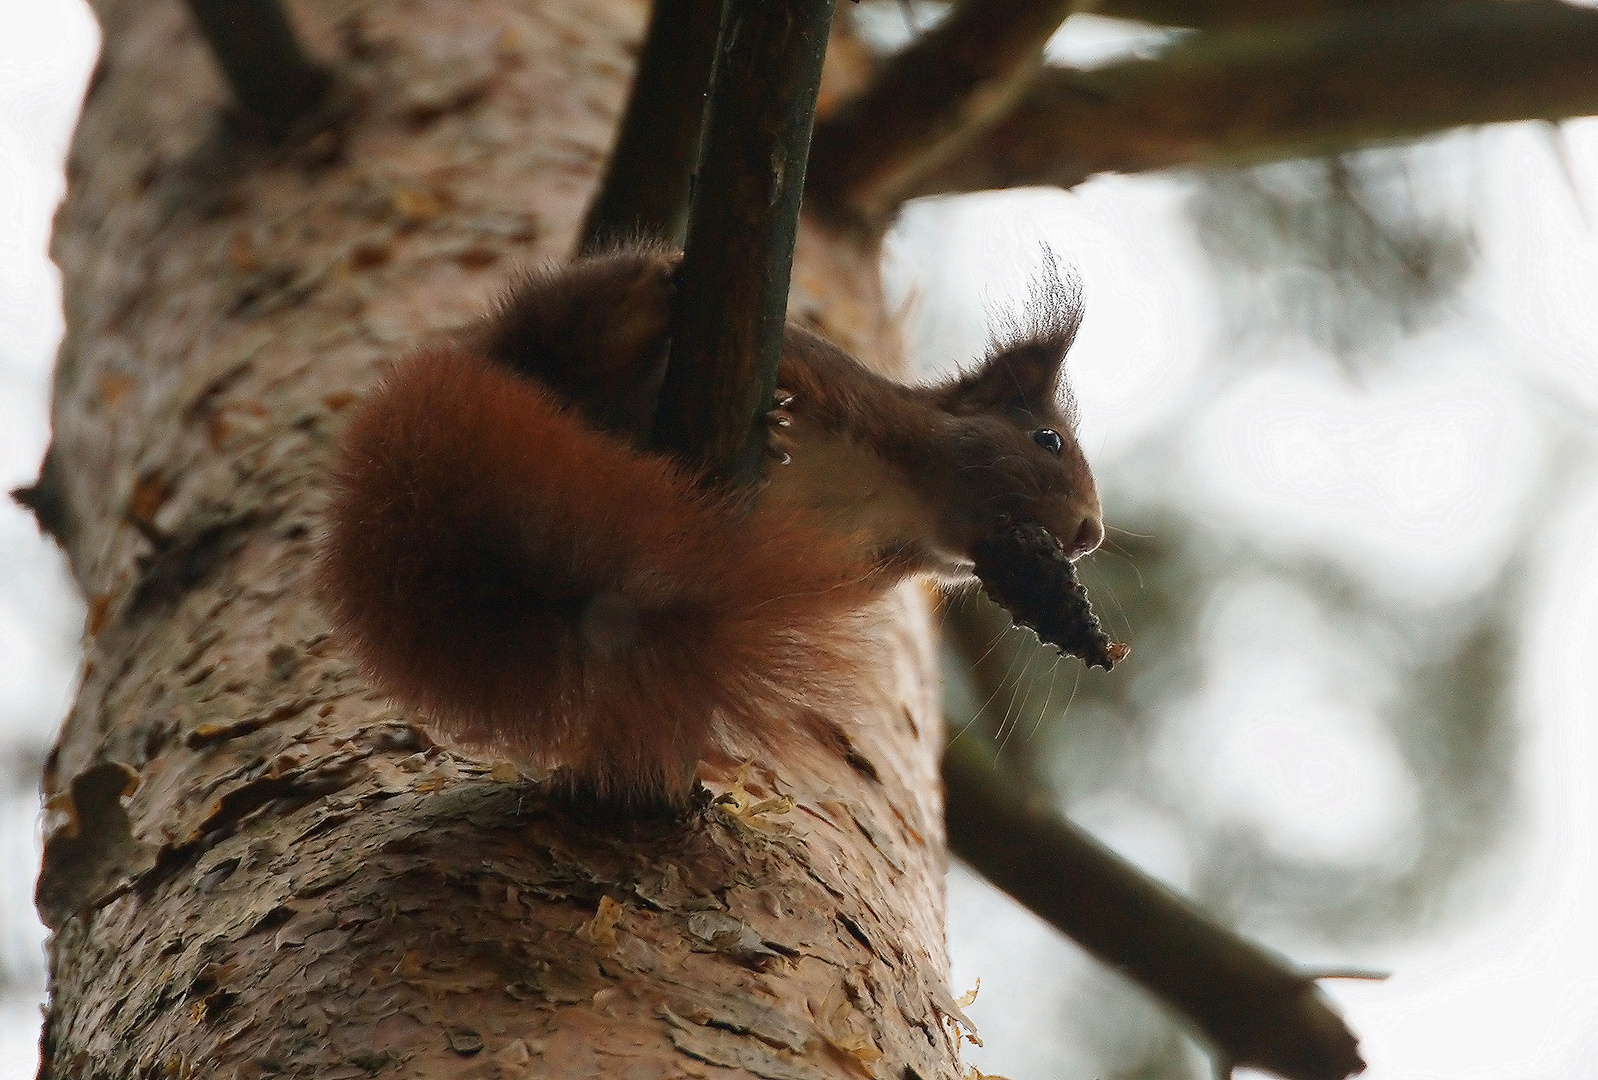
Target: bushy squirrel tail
<point>542,592</point>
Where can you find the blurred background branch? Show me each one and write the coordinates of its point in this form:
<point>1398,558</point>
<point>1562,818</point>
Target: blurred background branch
<point>1295,88</point>
<point>1250,1006</point>
<point>1213,14</point>
<point>928,101</point>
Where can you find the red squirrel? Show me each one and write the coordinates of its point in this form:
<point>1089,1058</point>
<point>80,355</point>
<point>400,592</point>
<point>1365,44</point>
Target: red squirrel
<point>504,554</point>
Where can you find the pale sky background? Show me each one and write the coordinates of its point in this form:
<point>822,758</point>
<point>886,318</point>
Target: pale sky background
<point>1414,477</point>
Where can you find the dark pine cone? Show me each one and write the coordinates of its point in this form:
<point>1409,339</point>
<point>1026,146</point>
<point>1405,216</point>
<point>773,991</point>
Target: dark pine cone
<point>1025,570</point>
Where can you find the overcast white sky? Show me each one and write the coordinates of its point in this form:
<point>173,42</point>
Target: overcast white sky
<point>1414,478</point>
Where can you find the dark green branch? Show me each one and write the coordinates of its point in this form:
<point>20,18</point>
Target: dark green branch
<point>732,304</point>
<point>1249,1004</point>
<point>929,101</point>
<point>1293,89</point>
<point>645,191</point>
<point>273,81</point>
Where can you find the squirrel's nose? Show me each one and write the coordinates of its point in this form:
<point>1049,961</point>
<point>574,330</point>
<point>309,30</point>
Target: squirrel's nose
<point>1089,535</point>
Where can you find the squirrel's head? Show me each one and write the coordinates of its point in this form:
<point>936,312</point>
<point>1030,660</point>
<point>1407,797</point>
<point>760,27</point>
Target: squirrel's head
<point>1013,450</point>
<point>922,476</point>
<point>1011,422</point>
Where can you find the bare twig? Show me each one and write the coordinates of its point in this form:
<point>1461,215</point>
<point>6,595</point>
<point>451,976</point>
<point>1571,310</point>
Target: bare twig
<point>732,305</point>
<point>1250,1005</point>
<point>645,191</point>
<point>47,500</point>
<point>928,102</point>
<point>1292,90</point>
<point>272,80</point>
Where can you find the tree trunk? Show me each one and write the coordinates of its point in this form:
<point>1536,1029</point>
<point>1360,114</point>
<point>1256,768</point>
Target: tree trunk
<point>301,883</point>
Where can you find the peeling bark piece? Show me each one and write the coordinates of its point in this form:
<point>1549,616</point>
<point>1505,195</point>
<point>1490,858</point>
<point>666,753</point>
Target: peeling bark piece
<point>464,1041</point>
<point>1026,571</point>
<point>93,857</point>
<point>726,934</point>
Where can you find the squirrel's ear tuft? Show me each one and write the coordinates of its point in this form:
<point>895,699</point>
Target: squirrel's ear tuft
<point>1024,369</point>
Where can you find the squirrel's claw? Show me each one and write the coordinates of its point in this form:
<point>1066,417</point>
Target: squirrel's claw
<point>778,447</point>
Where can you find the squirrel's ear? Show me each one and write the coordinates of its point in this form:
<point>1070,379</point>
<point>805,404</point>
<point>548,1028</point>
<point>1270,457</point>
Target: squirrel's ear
<point>1025,375</point>
<point>1025,368</point>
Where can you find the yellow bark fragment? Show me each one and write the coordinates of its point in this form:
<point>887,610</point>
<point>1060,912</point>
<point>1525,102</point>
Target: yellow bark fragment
<point>846,1031</point>
<point>601,929</point>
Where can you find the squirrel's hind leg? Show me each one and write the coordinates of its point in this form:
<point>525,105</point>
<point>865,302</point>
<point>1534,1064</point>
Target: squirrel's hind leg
<point>596,333</point>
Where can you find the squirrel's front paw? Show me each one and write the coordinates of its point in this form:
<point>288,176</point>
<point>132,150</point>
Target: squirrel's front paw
<point>778,445</point>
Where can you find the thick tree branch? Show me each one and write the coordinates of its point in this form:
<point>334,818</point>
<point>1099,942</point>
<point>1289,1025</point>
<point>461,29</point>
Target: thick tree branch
<point>1253,1008</point>
<point>1292,90</point>
<point>650,172</point>
<point>929,102</point>
<point>272,80</point>
<point>333,894</point>
<point>1208,14</point>
<point>732,307</point>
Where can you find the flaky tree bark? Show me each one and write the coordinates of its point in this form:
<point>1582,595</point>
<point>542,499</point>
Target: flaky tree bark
<point>258,866</point>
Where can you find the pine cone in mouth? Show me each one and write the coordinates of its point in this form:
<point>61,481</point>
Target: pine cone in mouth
<point>1025,570</point>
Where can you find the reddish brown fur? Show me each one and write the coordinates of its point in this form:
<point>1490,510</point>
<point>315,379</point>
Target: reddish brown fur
<point>541,590</point>
<point>964,448</point>
<point>501,556</point>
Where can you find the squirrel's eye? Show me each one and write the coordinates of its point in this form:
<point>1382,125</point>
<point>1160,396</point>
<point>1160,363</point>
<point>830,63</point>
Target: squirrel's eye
<point>1049,439</point>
